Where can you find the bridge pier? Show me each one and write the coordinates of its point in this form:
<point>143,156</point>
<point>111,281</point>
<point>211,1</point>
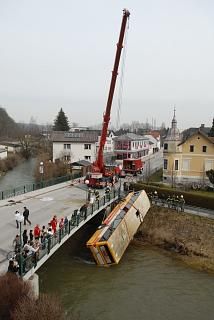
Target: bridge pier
<point>34,282</point>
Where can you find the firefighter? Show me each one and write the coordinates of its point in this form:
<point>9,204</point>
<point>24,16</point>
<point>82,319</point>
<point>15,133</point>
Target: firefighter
<point>155,197</point>
<point>182,203</point>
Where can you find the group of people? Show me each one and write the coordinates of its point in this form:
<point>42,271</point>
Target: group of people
<point>173,202</point>
<point>33,240</point>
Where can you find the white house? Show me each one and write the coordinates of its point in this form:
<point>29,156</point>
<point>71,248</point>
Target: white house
<point>109,145</point>
<point>3,153</point>
<point>75,146</point>
<point>154,143</point>
<point>11,146</point>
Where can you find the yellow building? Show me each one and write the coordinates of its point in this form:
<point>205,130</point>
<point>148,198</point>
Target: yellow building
<point>188,157</point>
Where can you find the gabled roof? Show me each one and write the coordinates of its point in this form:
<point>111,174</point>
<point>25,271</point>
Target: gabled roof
<point>195,131</point>
<point>81,136</point>
<point>130,137</point>
<point>83,163</point>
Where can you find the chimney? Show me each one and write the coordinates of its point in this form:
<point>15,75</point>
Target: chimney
<point>202,125</point>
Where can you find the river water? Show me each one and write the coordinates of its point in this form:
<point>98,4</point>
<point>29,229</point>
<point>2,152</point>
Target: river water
<point>148,284</point>
<point>19,176</point>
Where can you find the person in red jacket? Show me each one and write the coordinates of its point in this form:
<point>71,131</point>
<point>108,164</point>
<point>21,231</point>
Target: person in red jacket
<point>54,224</point>
<point>37,232</point>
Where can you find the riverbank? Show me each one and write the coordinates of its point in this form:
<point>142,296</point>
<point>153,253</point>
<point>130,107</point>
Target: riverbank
<point>187,236</point>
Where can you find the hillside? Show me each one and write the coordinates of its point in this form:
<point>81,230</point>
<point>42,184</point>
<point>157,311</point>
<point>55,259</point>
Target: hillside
<point>8,127</point>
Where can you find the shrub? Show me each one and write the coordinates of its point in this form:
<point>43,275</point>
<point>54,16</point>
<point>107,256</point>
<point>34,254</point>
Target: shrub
<point>45,308</point>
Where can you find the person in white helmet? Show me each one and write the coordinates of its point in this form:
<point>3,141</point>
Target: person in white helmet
<point>182,202</point>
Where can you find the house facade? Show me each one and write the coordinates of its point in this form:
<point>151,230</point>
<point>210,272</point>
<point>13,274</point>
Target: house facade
<point>12,147</point>
<point>130,146</point>
<point>3,153</point>
<point>187,158</point>
<point>79,145</point>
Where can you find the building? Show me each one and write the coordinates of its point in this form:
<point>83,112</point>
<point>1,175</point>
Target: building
<point>12,147</point>
<point>3,153</point>
<point>130,146</point>
<point>187,156</point>
<point>154,143</point>
<point>79,145</point>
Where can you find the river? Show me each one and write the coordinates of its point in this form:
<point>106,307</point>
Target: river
<point>148,284</point>
<point>19,176</point>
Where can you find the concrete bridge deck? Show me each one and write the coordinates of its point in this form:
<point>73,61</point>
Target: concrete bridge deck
<point>60,200</point>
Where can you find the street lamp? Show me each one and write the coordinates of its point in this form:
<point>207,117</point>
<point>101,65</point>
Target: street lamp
<point>20,219</point>
<point>87,192</point>
<point>41,171</point>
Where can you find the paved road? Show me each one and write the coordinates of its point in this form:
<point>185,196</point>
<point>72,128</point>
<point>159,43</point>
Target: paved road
<point>58,200</point>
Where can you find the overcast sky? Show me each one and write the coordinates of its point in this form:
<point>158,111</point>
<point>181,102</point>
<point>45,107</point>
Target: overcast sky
<point>60,53</point>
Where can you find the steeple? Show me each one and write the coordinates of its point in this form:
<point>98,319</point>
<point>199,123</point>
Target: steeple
<point>173,133</point>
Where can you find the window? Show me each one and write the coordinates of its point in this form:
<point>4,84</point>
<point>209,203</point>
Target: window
<point>204,148</point>
<point>67,146</point>
<point>165,163</point>
<point>67,158</point>
<point>176,164</point>
<point>87,146</point>
<point>87,157</point>
<point>165,146</point>
<point>191,148</point>
<point>209,164</point>
<point>186,164</point>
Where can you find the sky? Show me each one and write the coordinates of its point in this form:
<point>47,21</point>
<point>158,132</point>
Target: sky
<point>57,54</point>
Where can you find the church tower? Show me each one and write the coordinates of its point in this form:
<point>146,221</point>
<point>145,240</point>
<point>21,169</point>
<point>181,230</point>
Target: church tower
<point>172,153</point>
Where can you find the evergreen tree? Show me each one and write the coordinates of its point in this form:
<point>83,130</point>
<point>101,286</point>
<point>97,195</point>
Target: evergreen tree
<point>61,122</point>
<point>211,133</point>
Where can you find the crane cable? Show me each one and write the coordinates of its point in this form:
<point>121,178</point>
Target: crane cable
<point>121,83</point>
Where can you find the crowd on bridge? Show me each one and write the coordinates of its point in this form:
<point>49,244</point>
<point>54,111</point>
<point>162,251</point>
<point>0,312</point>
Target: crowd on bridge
<point>33,241</point>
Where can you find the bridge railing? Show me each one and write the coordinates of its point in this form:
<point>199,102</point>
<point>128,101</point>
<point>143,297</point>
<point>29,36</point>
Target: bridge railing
<point>27,262</point>
<point>5,194</point>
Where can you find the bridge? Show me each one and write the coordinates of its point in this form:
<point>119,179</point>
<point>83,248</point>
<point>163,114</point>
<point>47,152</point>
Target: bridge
<point>61,200</point>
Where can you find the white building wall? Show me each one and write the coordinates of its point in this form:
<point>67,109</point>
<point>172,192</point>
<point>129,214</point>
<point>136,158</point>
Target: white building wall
<point>76,152</point>
<point>3,154</point>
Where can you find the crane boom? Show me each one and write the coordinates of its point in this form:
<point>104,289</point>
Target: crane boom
<point>99,163</point>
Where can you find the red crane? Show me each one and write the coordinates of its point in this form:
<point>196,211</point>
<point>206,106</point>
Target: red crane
<point>98,166</point>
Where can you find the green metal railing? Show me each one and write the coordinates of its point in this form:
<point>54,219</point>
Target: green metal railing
<point>36,186</point>
<point>76,218</point>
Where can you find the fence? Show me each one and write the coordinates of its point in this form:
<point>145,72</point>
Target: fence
<point>36,186</point>
<point>26,262</point>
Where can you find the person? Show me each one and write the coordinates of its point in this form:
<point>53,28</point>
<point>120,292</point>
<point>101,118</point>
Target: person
<point>26,215</point>
<point>89,194</point>
<point>61,223</point>
<point>13,266</point>
<point>83,211</point>
<point>155,197</point>
<point>17,217</point>
<point>31,235</point>
<point>54,224</point>
<point>182,203</point>
<point>17,243</point>
<point>37,232</point>
<point>25,237</point>
<point>97,195</point>
<point>43,237</point>
<point>66,224</point>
